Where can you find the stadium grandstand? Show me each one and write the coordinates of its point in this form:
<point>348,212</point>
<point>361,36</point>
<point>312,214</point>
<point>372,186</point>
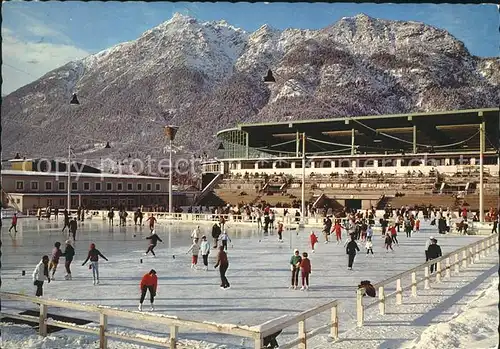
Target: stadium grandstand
<point>412,159</point>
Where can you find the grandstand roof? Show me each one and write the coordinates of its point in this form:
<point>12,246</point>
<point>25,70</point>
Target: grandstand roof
<point>439,131</point>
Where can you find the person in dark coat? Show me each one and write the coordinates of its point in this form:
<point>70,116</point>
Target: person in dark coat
<point>433,252</point>
<point>351,249</point>
<point>223,264</point>
<point>66,220</point>
<point>69,254</point>
<point>73,226</point>
<point>216,231</point>
<point>154,241</point>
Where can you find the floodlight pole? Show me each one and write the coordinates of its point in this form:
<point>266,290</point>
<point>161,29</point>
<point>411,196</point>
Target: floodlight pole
<point>481,169</point>
<point>170,132</point>
<point>68,199</point>
<point>303,194</point>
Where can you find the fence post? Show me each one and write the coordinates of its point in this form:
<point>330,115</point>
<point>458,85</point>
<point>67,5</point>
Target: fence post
<point>302,335</point>
<point>334,333</point>
<point>414,284</point>
<point>359,307</point>
<point>259,342</point>
<point>483,249</point>
<point>426,277</point>
<point>457,263</point>
<point>464,258</point>
<point>103,325</point>
<point>478,253</point>
<point>42,321</point>
<point>448,268</point>
<point>381,300</point>
<point>399,292</point>
<point>173,336</point>
<point>471,255</point>
<point>438,271</point>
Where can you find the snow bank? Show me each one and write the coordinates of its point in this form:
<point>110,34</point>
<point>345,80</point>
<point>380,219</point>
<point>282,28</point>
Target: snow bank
<point>474,327</point>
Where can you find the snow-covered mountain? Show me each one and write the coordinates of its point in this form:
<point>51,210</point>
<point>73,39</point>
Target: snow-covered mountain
<point>206,76</point>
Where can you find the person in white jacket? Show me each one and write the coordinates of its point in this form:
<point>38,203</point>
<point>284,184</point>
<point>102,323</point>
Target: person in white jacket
<point>205,250</point>
<point>195,249</point>
<point>369,245</point>
<point>40,274</point>
<point>223,238</point>
<point>196,233</point>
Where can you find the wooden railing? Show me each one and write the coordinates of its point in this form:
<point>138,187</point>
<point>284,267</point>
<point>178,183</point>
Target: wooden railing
<point>453,260</point>
<point>255,333</point>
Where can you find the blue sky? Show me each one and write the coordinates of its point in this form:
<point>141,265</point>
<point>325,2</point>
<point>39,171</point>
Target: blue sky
<point>40,36</point>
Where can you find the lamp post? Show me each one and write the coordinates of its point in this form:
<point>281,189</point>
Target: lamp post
<point>170,132</point>
<point>270,79</point>
<point>68,168</point>
<point>481,169</point>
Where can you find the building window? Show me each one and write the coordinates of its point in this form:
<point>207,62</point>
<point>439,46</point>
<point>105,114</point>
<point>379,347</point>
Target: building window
<point>130,186</point>
<point>48,186</point>
<point>34,185</point>
<point>109,186</point>
<point>119,186</point>
<point>19,185</point>
<point>157,187</point>
<point>139,186</point>
<point>49,201</point>
<point>149,187</point>
<point>62,202</point>
<point>60,185</point>
<point>86,186</point>
<point>74,202</point>
<point>130,203</point>
<point>74,186</point>
<point>98,186</point>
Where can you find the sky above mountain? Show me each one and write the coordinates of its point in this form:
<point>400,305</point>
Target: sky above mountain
<point>41,36</point>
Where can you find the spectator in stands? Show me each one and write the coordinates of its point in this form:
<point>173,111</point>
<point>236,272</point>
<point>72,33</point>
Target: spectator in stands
<point>434,252</point>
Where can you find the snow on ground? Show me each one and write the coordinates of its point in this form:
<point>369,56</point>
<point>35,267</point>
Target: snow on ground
<point>258,273</point>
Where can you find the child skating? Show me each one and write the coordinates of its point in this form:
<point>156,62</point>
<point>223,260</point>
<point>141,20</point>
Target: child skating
<point>195,250</point>
<point>314,240</point>
<point>224,238</point>
<point>369,245</point>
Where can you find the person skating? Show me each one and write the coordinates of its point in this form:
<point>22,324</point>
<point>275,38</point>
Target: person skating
<point>69,254</point>
<point>195,250</point>
<point>408,228</point>
<point>216,231</point>
<point>73,226</point>
<point>434,252</point>
<point>338,231</point>
<point>305,269</point>
<point>369,245</point>
<point>280,231</point>
<point>205,251</point>
<point>196,233</point>
<point>152,220</point>
<point>313,240</point>
<point>149,282</point>
<point>40,274</point>
<point>394,234</point>
<point>154,241</point>
<point>141,216</point>
<point>39,213</point>
<point>94,255</point>
<point>427,244</point>
<point>388,242</point>
<point>54,259</point>
<point>224,238</point>
<point>295,268</point>
<point>223,264</point>
<point>351,249</point>
<point>66,220</point>
<point>14,223</point>
<point>327,226</point>
<point>111,216</point>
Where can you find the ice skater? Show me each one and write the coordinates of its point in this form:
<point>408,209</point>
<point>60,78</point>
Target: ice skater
<point>13,224</point>
<point>216,231</point>
<point>338,231</point>
<point>195,250</point>
<point>394,234</point>
<point>305,269</point>
<point>94,255</point>
<point>280,231</point>
<point>224,238</point>
<point>40,274</point>
<point>196,233</point>
<point>154,241</point>
<point>223,264</point>
<point>69,254</point>
<point>66,220</point>
<point>388,242</point>
<point>313,239</point>
<point>54,260</point>
<point>369,245</point>
<point>295,268</point>
<point>73,226</point>
<point>205,251</point>
<point>152,220</point>
<point>149,282</point>
<point>434,252</point>
<point>351,249</point>
<point>111,216</point>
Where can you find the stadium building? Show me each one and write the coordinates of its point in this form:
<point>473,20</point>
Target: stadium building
<point>358,162</point>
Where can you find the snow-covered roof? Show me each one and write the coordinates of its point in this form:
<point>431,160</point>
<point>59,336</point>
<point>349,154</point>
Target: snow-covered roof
<point>79,174</point>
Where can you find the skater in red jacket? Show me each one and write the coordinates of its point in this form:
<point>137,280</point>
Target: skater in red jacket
<point>148,282</point>
<point>314,240</point>
<point>338,231</point>
<point>305,268</point>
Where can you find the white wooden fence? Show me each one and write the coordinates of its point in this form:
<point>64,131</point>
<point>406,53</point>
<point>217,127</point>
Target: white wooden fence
<point>445,264</point>
<point>255,333</point>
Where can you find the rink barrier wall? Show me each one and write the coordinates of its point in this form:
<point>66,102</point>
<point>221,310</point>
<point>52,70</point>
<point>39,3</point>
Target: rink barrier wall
<point>461,257</point>
<point>173,323</point>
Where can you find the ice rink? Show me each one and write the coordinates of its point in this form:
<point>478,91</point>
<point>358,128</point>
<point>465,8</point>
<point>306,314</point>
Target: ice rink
<point>259,273</point>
